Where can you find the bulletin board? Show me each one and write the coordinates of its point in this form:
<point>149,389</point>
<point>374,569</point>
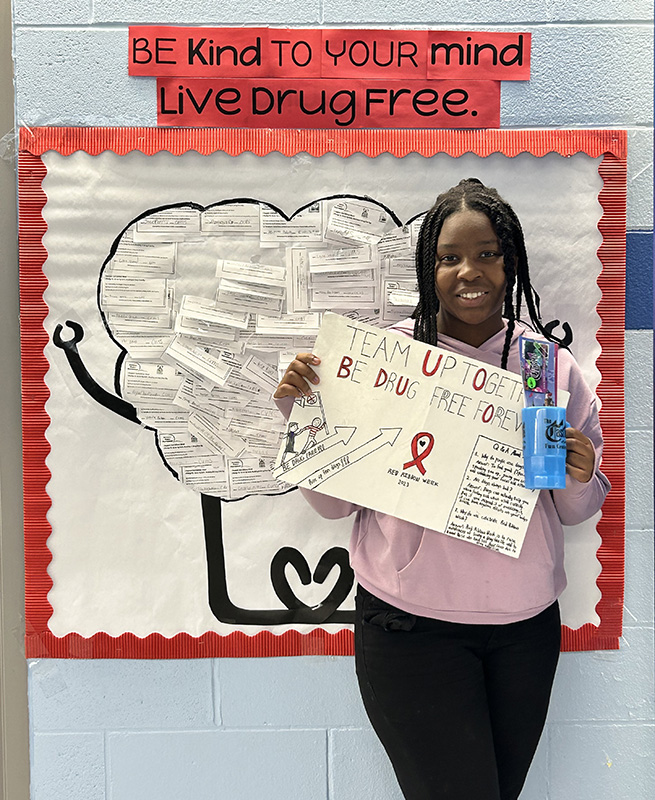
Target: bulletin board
<point>153,525</point>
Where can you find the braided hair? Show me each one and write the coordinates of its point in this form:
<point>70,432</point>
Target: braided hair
<point>472,195</point>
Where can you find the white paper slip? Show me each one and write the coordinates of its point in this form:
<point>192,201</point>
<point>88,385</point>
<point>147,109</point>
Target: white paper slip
<point>236,296</point>
<point>217,412</point>
<point>182,448</point>
<point>202,308</point>
<point>213,342</point>
<point>261,449</point>
<point>297,280</point>
<point>199,360</point>
<point>207,475</point>
<point>306,226</point>
<point>251,476</point>
<point>170,220</point>
<point>400,267</point>
<point>206,332</point>
<point>358,221</point>
<point>145,346</point>
<point>365,316</point>
<point>232,360</point>
<point>202,383</point>
<point>247,272</point>
<point>364,297</point>
<point>200,325</point>
<point>396,243</point>
<point>290,324</point>
<point>148,257</point>
<point>398,300</point>
<point>151,382</point>
<point>165,418</point>
<point>407,298</point>
<point>345,259</point>
<point>227,399</point>
<point>261,401</point>
<point>119,292</point>
<point>231,219</point>
<point>119,320</point>
<point>238,383</point>
<point>415,228</point>
<point>360,277</point>
<point>216,439</point>
<point>267,418</point>
<point>185,393</point>
<point>200,401</point>
<point>247,430</point>
<point>261,373</point>
<point>303,344</point>
<point>192,396</point>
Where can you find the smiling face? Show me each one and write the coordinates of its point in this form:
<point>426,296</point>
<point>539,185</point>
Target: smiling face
<point>469,278</point>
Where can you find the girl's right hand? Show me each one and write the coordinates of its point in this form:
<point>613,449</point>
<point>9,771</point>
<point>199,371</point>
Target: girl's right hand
<point>298,377</point>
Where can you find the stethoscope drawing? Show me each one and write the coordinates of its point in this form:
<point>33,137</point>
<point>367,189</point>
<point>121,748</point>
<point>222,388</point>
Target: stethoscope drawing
<point>295,611</point>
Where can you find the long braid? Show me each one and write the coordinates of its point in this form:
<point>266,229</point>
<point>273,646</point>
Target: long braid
<point>511,321</point>
<point>504,224</point>
<point>425,314</point>
<point>472,194</point>
<point>519,300</point>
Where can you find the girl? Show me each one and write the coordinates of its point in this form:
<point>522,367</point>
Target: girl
<point>455,645</point>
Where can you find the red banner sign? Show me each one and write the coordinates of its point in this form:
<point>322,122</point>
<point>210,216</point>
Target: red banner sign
<point>475,55</point>
<point>157,51</point>
<point>274,103</point>
<point>161,51</point>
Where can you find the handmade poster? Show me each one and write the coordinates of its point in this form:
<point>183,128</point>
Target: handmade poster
<point>414,431</point>
<point>169,277</point>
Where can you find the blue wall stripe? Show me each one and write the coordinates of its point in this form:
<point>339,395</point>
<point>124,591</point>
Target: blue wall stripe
<point>639,280</point>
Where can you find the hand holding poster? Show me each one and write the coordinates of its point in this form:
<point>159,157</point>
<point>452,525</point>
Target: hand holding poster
<point>414,431</point>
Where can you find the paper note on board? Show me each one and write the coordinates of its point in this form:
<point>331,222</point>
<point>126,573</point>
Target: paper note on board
<point>414,431</point>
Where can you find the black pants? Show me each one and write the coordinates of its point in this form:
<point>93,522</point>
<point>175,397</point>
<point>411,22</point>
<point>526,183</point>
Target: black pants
<point>458,708</point>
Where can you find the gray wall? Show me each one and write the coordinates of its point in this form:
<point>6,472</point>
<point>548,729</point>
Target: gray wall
<point>14,769</point>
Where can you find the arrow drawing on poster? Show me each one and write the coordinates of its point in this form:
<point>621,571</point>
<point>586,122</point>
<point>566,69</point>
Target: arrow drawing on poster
<point>386,436</point>
<point>342,435</point>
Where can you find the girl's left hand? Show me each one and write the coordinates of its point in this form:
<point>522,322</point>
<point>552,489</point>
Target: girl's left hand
<point>580,456</point>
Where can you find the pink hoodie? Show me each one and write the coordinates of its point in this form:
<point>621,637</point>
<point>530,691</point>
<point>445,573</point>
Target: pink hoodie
<point>426,573</point>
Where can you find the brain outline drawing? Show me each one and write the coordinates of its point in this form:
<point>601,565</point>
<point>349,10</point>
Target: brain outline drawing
<point>295,611</point>
<point>118,335</point>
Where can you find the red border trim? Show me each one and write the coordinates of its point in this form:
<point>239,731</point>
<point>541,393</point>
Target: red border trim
<point>34,365</point>
<point>39,641</point>
<point>611,309</point>
<point>318,142</point>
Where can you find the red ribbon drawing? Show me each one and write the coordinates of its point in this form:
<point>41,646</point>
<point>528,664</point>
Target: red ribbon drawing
<point>419,457</point>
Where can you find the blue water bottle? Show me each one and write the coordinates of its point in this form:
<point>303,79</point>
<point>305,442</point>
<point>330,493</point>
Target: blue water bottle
<point>544,447</point>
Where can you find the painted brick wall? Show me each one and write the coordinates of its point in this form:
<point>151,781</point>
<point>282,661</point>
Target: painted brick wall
<point>294,729</point>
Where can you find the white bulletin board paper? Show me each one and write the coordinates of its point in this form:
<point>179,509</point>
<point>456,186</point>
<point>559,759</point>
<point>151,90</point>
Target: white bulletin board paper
<point>134,547</point>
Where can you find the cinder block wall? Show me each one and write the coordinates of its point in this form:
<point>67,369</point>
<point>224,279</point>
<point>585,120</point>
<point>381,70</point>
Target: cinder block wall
<point>294,729</point>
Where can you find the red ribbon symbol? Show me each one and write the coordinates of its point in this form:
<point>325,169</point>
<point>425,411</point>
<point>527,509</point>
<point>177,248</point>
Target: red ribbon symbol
<point>426,446</point>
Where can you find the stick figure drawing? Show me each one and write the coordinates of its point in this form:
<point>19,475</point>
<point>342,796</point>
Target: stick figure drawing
<point>313,428</point>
